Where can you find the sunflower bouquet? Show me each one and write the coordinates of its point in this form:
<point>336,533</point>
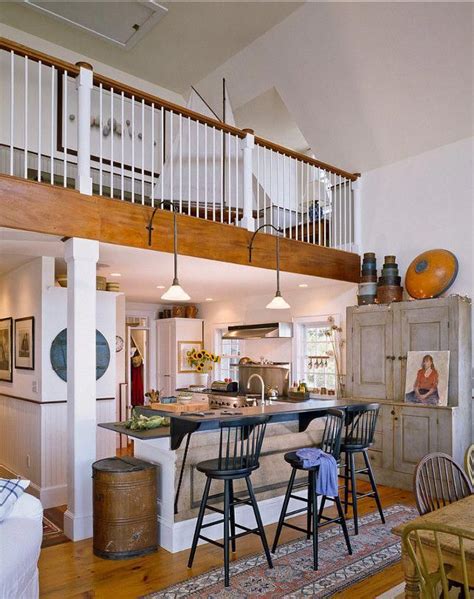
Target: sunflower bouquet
<point>202,360</point>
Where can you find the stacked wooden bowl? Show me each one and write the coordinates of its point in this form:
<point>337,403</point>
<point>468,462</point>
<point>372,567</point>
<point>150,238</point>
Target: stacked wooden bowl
<point>389,287</point>
<point>368,280</point>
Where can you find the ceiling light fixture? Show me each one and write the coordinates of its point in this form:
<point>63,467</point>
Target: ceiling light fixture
<point>303,285</point>
<point>175,293</point>
<point>277,303</point>
<point>160,287</point>
<point>115,274</point>
<point>209,299</point>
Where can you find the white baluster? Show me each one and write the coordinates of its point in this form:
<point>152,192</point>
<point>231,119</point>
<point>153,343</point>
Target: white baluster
<point>162,150</point>
<point>198,211</point>
<point>213,173</point>
<point>25,173</point>
<point>84,86</point>
<point>53,76</point>
<point>143,152</point>
<point>222,176</point>
<point>229,165</point>
<point>101,128</point>
<point>152,183</point>
<point>12,108</point>
<point>189,166</point>
<point>205,170</point>
<point>40,120</point>
<point>236,143</point>
<point>248,144</point>
<point>122,148</point>
<point>65,121</point>
<point>111,142</point>
<point>356,198</point>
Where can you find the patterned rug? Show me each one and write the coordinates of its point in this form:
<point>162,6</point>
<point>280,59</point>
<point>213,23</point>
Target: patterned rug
<point>52,533</point>
<point>293,576</point>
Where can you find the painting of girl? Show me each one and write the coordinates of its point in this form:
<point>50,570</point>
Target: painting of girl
<point>427,378</point>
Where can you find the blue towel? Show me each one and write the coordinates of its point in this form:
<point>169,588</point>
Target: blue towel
<point>326,483</point>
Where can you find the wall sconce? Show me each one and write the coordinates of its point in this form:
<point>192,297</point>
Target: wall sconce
<point>277,303</point>
<point>175,293</point>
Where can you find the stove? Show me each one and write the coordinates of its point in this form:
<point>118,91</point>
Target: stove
<point>217,402</point>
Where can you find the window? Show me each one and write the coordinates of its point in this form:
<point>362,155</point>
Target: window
<point>315,362</point>
<point>229,351</point>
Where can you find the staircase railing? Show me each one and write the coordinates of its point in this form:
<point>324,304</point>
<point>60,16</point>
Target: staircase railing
<point>66,125</point>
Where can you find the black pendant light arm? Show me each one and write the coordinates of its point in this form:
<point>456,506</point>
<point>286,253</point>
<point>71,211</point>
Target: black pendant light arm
<point>150,229</point>
<point>277,230</point>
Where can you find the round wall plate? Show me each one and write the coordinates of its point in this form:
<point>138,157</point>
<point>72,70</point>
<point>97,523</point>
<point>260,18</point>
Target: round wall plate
<point>119,343</point>
<point>58,355</point>
<point>431,274</point>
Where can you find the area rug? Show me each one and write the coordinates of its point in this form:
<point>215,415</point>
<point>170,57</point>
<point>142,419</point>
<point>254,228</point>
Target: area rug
<point>52,533</point>
<point>293,576</point>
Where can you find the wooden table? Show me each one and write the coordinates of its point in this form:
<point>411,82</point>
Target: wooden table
<point>460,515</point>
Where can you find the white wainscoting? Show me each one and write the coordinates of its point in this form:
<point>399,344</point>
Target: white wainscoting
<point>33,444</point>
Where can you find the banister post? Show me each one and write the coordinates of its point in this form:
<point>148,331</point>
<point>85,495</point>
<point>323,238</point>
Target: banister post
<point>248,143</point>
<point>356,245</point>
<point>84,83</point>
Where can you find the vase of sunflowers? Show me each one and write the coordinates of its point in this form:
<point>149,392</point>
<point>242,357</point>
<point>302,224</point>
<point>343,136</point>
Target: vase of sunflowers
<point>203,362</point>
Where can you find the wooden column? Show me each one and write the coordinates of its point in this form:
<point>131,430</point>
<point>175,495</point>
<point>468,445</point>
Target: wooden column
<point>81,256</point>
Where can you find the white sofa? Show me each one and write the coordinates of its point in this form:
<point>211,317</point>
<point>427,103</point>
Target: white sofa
<point>21,534</point>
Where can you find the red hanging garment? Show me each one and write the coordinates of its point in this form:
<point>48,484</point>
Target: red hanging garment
<point>137,392</point>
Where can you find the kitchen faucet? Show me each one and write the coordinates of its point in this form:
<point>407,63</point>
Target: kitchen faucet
<point>263,385</point>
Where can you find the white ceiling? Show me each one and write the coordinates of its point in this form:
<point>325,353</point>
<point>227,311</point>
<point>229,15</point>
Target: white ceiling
<point>190,41</point>
<point>142,270</point>
<point>367,84</point>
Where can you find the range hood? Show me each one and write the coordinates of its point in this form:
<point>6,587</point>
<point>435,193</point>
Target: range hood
<point>272,330</point>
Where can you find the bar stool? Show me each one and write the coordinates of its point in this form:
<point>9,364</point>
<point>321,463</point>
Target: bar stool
<point>331,443</point>
<point>239,451</point>
<point>359,436</point>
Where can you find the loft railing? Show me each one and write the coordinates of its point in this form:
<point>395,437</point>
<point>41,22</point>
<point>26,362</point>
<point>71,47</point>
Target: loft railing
<point>65,125</point>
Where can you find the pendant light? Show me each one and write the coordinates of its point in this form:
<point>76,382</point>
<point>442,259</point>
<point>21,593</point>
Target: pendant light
<point>175,293</point>
<point>278,302</point>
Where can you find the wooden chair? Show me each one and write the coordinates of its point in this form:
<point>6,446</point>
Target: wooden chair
<point>430,548</point>
<point>469,463</point>
<point>439,481</point>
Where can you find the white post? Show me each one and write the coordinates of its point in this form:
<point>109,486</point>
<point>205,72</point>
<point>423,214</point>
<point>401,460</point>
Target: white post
<point>248,143</point>
<point>84,87</point>
<point>81,257</point>
<point>357,216</point>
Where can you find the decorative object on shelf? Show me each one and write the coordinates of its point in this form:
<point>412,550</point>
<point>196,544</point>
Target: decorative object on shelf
<point>183,348</point>
<point>113,286</point>
<point>427,378</point>
<point>277,303</point>
<point>368,280</point>
<point>25,343</point>
<point>175,293</point>
<point>119,343</point>
<point>101,283</point>
<point>431,274</point>
<point>6,349</point>
<point>389,287</point>
<point>179,312</point>
<point>334,334</point>
<point>167,313</point>
<point>191,311</point>
<point>58,355</point>
<point>315,362</point>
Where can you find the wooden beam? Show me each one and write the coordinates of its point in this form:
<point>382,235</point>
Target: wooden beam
<point>43,208</point>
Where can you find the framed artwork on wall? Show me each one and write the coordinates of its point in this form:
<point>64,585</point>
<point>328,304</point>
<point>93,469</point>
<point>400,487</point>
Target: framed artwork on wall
<point>58,355</point>
<point>427,378</point>
<point>25,343</point>
<point>183,348</point>
<point>6,349</point>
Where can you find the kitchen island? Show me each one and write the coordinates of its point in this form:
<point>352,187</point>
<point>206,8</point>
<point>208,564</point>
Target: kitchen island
<point>194,437</point>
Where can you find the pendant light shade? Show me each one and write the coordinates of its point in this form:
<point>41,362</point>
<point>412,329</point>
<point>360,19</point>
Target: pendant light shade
<point>176,293</point>
<point>278,303</point>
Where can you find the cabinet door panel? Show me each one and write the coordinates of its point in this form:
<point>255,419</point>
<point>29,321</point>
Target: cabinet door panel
<point>371,351</point>
<point>415,435</point>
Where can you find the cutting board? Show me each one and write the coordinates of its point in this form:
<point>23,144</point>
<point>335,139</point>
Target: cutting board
<point>194,406</point>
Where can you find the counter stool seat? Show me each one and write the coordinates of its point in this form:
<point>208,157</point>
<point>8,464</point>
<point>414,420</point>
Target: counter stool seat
<point>215,469</point>
<point>239,451</point>
<point>331,444</point>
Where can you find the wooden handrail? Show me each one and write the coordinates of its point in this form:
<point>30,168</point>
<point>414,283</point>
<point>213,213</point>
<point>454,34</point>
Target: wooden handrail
<point>139,95</point>
<point>50,61</point>
<point>270,145</point>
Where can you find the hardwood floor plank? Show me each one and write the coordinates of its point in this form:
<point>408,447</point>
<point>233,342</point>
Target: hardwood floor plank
<point>71,571</point>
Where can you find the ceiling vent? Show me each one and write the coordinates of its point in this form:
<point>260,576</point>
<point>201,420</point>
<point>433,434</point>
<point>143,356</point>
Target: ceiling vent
<point>121,23</point>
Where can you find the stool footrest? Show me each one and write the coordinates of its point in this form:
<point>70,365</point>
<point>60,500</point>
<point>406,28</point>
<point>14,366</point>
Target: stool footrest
<point>216,543</point>
<point>294,527</point>
<point>305,499</point>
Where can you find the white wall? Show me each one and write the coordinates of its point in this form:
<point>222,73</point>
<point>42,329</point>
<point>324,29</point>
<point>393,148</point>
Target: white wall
<point>422,203</point>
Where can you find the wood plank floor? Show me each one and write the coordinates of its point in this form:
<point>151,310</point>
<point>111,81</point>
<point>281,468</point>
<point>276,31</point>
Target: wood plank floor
<point>71,571</point>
